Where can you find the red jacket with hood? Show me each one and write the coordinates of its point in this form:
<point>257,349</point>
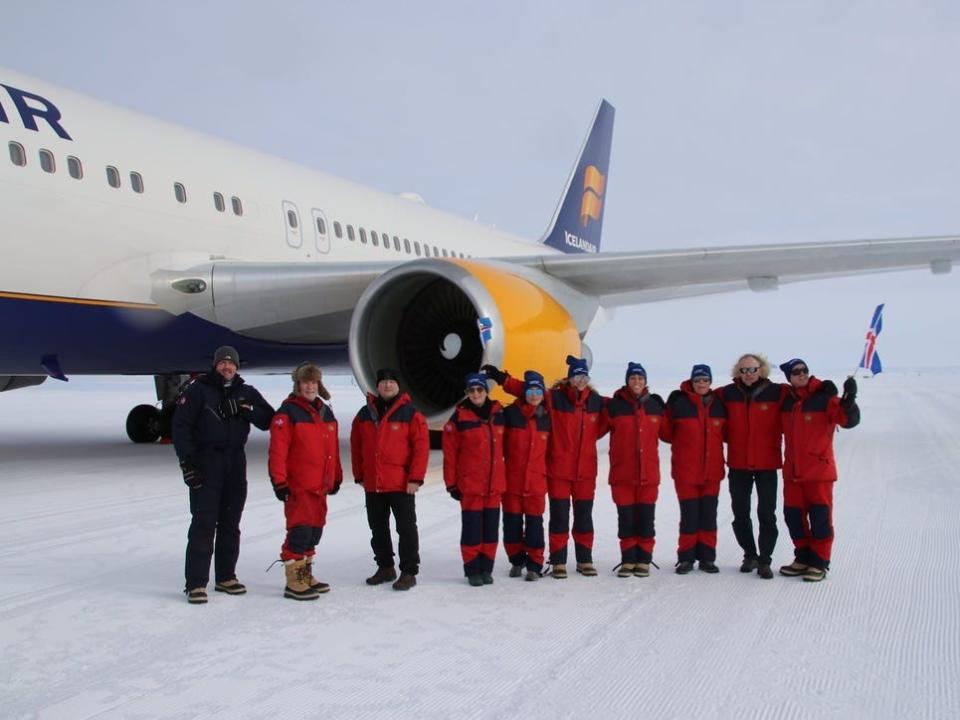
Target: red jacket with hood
<point>473,450</point>
<point>753,424</point>
<point>696,431</point>
<point>304,447</point>
<point>636,427</point>
<point>525,448</point>
<point>811,415</point>
<point>388,452</point>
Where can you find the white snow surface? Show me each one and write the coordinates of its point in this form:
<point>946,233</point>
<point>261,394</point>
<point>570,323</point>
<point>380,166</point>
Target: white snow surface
<point>93,623</point>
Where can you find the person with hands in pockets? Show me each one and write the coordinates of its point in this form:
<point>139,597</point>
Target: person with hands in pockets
<point>211,422</point>
<point>304,461</point>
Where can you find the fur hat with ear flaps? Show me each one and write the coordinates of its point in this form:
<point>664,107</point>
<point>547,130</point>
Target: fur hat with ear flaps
<point>308,371</point>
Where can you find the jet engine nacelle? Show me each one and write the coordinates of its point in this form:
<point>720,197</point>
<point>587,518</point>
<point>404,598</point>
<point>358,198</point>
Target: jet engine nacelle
<point>434,321</point>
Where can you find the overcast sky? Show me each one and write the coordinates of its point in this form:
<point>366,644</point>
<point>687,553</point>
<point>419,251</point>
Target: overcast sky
<point>737,122</point>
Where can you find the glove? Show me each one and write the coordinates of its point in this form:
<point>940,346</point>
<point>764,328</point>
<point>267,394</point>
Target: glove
<point>496,373</point>
<point>455,494</point>
<point>336,489</point>
<point>828,387</point>
<point>229,408</point>
<point>849,391</point>
<point>282,492</point>
<point>191,476</point>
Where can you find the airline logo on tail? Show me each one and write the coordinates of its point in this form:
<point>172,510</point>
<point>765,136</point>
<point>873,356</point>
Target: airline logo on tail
<point>591,206</point>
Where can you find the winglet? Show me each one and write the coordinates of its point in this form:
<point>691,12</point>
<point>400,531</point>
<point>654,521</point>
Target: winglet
<point>578,220</point>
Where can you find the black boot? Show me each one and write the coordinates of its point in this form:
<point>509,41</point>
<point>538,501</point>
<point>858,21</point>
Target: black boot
<point>749,564</point>
<point>684,566</point>
<point>708,566</point>
<point>405,582</point>
<point>384,573</point>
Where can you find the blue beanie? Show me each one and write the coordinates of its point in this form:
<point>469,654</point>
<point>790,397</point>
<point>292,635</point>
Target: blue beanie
<point>634,369</point>
<point>533,379</point>
<point>576,366</point>
<point>701,371</point>
<point>476,380</point>
<point>790,364</point>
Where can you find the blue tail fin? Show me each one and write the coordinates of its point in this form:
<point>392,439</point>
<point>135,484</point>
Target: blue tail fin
<point>579,218</point>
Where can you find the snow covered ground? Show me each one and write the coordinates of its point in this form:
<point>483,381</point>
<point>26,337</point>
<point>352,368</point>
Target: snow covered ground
<point>92,622</point>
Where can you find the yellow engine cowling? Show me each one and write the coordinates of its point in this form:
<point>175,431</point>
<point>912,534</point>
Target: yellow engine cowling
<point>436,320</point>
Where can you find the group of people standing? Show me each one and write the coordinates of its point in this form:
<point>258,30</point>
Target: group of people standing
<point>541,447</point>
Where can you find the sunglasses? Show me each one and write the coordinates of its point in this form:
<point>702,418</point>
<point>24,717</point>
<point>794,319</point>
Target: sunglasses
<point>800,371</point>
<point>475,389</point>
<point>749,370</point>
<point>534,391</point>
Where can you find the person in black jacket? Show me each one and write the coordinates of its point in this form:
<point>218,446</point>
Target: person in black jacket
<point>210,428</point>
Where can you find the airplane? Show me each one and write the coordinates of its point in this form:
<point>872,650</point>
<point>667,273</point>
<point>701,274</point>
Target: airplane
<point>133,246</point>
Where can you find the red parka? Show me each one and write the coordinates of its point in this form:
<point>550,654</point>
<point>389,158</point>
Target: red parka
<point>388,452</point>
<point>304,448</point>
<point>576,423</point>
<point>636,427</point>
<point>753,424</point>
<point>811,415</point>
<point>696,430</point>
<point>473,451</point>
<point>525,448</point>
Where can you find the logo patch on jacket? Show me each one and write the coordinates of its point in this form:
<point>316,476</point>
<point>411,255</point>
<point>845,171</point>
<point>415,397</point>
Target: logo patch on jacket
<point>763,406</point>
<point>278,421</point>
<point>394,426</point>
<point>716,423</point>
<point>808,418</point>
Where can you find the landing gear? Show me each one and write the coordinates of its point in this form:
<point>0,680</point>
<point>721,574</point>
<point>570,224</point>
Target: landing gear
<point>148,423</point>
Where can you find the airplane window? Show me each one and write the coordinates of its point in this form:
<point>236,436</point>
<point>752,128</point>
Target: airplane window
<point>180,192</point>
<point>321,226</point>
<point>113,176</point>
<point>396,243</point>
<point>74,167</point>
<point>337,230</point>
<point>237,206</point>
<point>350,232</point>
<point>47,163</point>
<point>416,247</point>
<point>374,238</point>
<point>292,219</point>
<point>386,241</point>
<point>436,251</point>
<point>363,236</point>
<point>17,155</point>
<point>136,182</point>
<point>406,245</point>
<point>218,202</point>
<point>444,251</point>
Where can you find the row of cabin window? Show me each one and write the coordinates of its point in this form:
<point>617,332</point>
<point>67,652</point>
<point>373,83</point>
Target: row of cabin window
<point>18,157</point>
<point>375,240</point>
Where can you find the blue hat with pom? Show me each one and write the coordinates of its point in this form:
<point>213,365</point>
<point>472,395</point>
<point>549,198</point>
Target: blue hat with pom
<point>701,371</point>
<point>576,366</point>
<point>790,364</point>
<point>533,379</point>
<point>476,380</point>
<point>634,368</point>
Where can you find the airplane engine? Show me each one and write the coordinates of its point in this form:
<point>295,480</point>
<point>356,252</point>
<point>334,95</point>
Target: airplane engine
<point>436,320</point>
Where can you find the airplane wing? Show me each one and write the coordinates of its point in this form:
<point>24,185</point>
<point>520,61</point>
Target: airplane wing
<point>639,277</point>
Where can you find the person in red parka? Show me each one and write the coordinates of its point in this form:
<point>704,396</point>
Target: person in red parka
<point>304,463</point>
<point>753,456</point>
<point>811,413</point>
<point>637,424</point>
<point>473,471</point>
<point>576,422</point>
<point>389,450</point>
<point>527,423</point>
<point>697,418</point>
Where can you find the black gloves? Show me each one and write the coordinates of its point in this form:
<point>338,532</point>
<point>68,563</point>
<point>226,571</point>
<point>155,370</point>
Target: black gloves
<point>191,476</point>
<point>282,492</point>
<point>336,488</point>
<point>496,373</point>
<point>455,494</point>
<point>849,392</point>
<point>829,388</point>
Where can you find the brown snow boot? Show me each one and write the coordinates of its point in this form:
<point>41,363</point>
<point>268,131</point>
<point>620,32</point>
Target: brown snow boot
<point>297,586</point>
<point>586,569</point>
<point>384,573</point>
<point>626,570</point>
<point>793,569</point>
<point>814,574</point>
<point>231,587</point>
<point>196,596</point>
<point>405,582</point>
<point>641,570</point>
<point>559,572</point>
<point>320,587</point>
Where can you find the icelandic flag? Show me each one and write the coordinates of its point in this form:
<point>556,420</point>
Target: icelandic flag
<point>870,360</point>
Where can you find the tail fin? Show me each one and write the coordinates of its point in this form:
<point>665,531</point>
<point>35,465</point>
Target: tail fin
<point>578,220</point>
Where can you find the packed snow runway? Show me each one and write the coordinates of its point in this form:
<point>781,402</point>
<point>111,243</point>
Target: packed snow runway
<point>93,623</point>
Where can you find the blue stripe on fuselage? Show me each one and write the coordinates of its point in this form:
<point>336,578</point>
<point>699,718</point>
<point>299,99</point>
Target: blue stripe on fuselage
<point>102,340</point>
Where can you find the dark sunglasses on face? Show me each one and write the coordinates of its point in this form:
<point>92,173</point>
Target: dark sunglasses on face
<point>475,390</point>
<point>800,371</point>
<point>749,371</point>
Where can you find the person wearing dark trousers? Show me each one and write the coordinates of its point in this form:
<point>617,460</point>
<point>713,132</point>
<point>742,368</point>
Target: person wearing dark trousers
<point>576,421</point>
<point>753,457</point>
<point>304,462</point>
<point>211,423</point>
<point>389,449</point>
<point>527,424</point>
<point>473,471</point>
<point>696,423</point>
<point>637,423</point>
<point>811,414</point>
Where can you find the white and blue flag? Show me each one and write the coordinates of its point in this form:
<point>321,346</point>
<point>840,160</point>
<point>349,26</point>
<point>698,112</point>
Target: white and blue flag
<point>870,360</point>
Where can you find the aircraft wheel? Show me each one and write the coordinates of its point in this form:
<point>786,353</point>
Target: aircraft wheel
<point>143,424</point>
